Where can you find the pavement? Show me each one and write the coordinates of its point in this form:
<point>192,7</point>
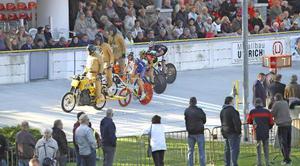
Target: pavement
<point>39,102</point>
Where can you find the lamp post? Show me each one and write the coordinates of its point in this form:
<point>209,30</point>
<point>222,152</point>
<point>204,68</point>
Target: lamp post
<point>245,65</point>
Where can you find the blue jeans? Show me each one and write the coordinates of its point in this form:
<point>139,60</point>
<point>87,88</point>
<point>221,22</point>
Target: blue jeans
<point>78,159</point>
<point>232,150</point>
<point>88,160</point>
<point>23,162</point>
<point>3,162</point>
<point>192,140</point>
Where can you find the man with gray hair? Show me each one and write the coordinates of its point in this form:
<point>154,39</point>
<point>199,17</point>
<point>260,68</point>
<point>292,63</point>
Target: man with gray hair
<point>109,139</point>
<point>292,90</point>
<point>46,148</point>
<point>25,143</point>
<point>262,122</point>
<point>84,137</point>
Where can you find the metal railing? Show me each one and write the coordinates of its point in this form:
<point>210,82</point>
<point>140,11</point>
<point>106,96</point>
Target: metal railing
<point>133,150</point>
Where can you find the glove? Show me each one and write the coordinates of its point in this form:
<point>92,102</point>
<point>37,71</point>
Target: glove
<point>123,55</point>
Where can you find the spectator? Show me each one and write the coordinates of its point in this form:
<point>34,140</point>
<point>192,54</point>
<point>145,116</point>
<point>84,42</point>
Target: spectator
<point>12,39</point>
<point>200,27</point>
<point>34,162</point>
<point>74,42</point>
<point>237,23</point>
<point>144,21</point>
<point>157,140</point>
<point>3,150</point>
<point>204,13</point>
<point>287,21</point>
<point>40,35</point>
<point>283,120</point>
<point>61,139</point>
<point>275,11</point>
<point>282,27</point>
<point>98,13</point>
<point>136,29</point>
<point>162,35</point>
<point>276,87</point>
<point>39,44</point>
<point>2,40</point>
<point>62,43</point>
<point>129,22</point>
<point>256,20</point>
<point>29,43</point>
<point>182,16</point>
<point>25,144</point>
<point>140,38</point>
<point>262,122</point>
<point>151,35</point>
<point>47,33</point>
<point>217,25</point>
<point>193,15</point>
<point>105,21</point>
<point>51,43</point>
<point>259,89</point>
<point>91,25</point>
<point>285,7</point>
<point>80,25</point>
<point>157,26</point>
<point>227,9</point>
<point>84,138</point>
<point>118,45</point>
<point>167,4</point>
<point>129,39</point>
<point>22,36</point>
<point>195,119</point>
<point>110,10</point>
<point>225,25</point>
<point>193,31</point>
<point>265,30</point>
<point>186,34</point>
<point>199,4</point>
<point>209,26</point>
<point>108,137</point>
<point>292,90</point>
<point>75,126</point>
<point>120,10</point>
<point>169,27</point>
<point>231,131</point>
<point>84,40</point>
<point>294,27</point>
<point>46,147</point>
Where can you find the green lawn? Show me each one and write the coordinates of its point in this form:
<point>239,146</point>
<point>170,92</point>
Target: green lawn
<point>132,151</point>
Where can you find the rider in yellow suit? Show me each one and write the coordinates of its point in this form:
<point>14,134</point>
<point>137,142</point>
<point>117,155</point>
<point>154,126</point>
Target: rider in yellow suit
<point>108,59</point>
<point>94,66</point>
<point>119,49</point>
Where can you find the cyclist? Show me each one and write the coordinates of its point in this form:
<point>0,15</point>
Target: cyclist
<point>159,49</point>
<point>136,68</point>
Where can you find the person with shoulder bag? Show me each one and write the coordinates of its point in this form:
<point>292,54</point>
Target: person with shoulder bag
<point>157,141</point>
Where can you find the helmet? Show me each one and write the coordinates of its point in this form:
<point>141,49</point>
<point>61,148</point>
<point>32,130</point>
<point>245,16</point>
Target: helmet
<point>91,48</point>
<point>100,37</point>
<point>151,44</point>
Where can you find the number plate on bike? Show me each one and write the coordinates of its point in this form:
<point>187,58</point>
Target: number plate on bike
<point>74,83</point>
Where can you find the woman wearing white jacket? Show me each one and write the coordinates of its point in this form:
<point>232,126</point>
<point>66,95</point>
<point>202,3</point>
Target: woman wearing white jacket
<point>157,140</point>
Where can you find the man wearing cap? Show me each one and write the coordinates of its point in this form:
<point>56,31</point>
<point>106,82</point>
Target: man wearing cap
<point>108,137</point>
<point>84,137</point>
<point>292,89</point>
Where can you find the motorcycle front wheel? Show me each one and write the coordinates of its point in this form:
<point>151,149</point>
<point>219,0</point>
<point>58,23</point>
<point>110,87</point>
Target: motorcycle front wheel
<point>68,102</point>
<point>171,73</point>
<point>101,105</point>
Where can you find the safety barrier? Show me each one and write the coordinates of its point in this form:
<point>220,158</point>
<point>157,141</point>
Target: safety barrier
<point>133,150</point>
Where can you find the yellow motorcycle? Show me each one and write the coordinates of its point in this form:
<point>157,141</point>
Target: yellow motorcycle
<point>83,92</point>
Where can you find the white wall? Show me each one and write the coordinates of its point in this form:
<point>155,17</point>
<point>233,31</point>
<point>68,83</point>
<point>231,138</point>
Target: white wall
<point>210,53</point>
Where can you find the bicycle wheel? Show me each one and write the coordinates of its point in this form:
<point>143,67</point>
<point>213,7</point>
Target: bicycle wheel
<point>125,92</point>
<point>149,94</point>
<point>171,73</point>
<point>160,82</point>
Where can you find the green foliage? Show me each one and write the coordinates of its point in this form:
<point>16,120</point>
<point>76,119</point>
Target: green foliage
<point>10,133</point>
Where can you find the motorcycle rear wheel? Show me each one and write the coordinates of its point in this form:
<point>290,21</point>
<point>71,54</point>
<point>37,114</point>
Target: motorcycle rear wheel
<point>101,105</point>
<point>68,102</point>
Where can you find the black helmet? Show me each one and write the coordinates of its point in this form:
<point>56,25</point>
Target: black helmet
<point>91,48</point>
<point>100,37</point>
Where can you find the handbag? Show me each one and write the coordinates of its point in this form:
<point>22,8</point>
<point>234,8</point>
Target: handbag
<point>149,150</point>
<point>47,161</point>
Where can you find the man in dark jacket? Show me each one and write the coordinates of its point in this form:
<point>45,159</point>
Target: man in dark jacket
<point>182,15</point>
<point>195,119</point>
<point>276,87</point>
<point>259,89</point>
<point>231,131</point>
<point>262,121</point>
<point>108,137</point>
<point>75,126</point>
<point>25,144</point>
<point>3,150</point>
<point>60,137</point>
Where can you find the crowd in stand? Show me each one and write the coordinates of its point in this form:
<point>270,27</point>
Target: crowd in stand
<point>272,100</point>
<point>139,21</point>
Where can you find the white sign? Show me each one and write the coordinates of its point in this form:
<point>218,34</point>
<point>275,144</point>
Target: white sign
<point>257,49</point>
